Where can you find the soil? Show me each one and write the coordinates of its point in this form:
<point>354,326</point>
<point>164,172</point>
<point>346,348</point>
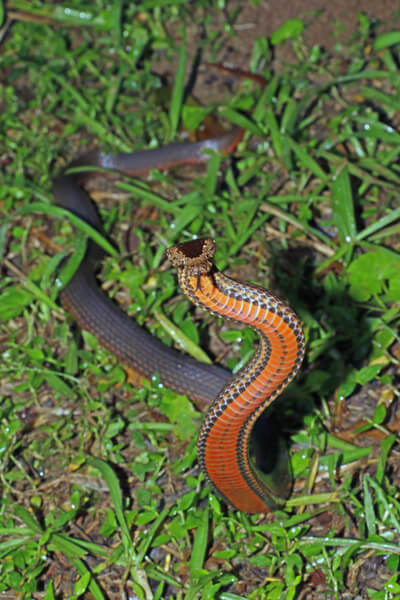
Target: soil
<point>328,22</point>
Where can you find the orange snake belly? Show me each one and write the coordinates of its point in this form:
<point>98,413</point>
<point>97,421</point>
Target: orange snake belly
<point>223,443</point>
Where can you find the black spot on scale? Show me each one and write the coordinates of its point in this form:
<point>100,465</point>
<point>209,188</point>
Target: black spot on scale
<point>241,460</point>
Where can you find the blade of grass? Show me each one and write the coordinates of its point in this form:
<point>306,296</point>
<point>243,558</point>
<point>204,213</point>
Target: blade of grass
<point>306,160</point>
<point>28,519</point>
<point>386,502</point>
<point>63,214</point>
<point>33,288</point>
<point>116,15</point>
<point>9,546</point>
<point>378,169</point>
<point>178,90</point>
<point>378,130</point>
<point>84,571</point>
<point>380,97</point>
<point>382,546</point>
<point>343,210</point>
<point>386,446</point>
<point>69,270</point>
<point>355,170</point>
<point>199,546</point>
<point>329,245</point>
<point>369,508</point>
<point>380,224</point>
<point>385,40</point>
<point>150,197</point>
<point>146,542</point>
<point>181,339</point>
<point>116,495</point>
<point>241,121</point>
<point>313,499</point>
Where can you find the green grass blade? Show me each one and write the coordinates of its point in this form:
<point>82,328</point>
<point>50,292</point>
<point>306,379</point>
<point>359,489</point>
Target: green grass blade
<point>343,208</point>
<point>377,130</point>
<point>28,519</point>
<point>178,90</point>
<point>385,40</point>
<point>84,572</point>
<point>116,495</point>
<point>63,214</point>
<point>199,546</point>
<point>369,508</point>
<point>380,224</point>
<point>147,541</point>
<point>386,446</point>
<point>181,338</point>
<point>9,546</point>
<point>69,270</point>
<point>305,159</point>
<point>150,197</point>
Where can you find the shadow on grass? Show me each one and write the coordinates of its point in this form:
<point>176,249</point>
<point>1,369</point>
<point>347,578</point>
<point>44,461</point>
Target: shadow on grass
<point>339,339</point>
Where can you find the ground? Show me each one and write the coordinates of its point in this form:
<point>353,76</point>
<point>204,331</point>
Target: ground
<point>102,494</point>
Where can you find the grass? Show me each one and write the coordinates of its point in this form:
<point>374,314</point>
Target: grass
<point>101,496</point>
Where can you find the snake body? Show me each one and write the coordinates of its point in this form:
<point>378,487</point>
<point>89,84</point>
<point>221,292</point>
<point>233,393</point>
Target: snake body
<point>95,312</point>
<point>224,439</point>
<point>235,405</point>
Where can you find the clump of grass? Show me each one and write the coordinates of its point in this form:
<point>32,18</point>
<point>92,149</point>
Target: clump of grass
<point>97,475</point>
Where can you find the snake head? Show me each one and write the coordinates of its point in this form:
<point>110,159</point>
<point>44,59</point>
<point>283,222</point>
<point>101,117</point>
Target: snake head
<point>195,257</point>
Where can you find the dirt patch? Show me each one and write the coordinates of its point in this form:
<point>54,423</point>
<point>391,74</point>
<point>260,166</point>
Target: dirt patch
<point>327,22</point>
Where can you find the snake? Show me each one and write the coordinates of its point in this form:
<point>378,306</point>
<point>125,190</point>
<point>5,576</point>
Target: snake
<point>234,404</point>
<point>224,438</point>
<point>93,311</point>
